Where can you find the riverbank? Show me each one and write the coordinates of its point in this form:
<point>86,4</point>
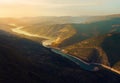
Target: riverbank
<point>81,63</point>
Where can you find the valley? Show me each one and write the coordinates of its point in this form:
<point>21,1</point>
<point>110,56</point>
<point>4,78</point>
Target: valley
<point>87,66</point>
<point>65,50</point>
<point>59,41</point>
<point>30,62</point>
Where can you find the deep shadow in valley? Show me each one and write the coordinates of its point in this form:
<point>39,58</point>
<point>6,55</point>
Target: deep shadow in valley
<point>111,45</point>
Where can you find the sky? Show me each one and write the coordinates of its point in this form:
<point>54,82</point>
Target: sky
<point>32,8</point>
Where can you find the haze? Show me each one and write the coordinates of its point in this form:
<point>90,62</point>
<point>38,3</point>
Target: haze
<point>27,8</point>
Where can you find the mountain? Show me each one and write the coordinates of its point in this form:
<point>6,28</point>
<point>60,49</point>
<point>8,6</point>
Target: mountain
<point>62,19</point>
<point>85,31</point>
<point>66,34</point>
<point>102,49</point>
<point>22,60</point>
<point>67,19</point>
<point>55,32</point>
<point>93,39</point>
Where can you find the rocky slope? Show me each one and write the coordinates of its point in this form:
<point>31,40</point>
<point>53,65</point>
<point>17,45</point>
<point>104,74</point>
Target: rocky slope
<point>102,49</point>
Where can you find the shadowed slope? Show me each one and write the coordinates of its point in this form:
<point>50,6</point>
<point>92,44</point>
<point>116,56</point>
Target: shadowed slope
<point>106,46</point>
<point>111,45</point>
<point>25,61</point>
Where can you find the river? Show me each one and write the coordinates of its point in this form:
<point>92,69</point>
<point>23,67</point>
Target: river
<point>78,61</point>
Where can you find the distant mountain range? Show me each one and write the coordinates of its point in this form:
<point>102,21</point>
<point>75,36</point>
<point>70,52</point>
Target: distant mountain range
<point>58,20</point>
<point>67,19</point>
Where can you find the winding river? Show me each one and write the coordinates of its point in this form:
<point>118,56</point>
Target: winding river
<point>80,62</point>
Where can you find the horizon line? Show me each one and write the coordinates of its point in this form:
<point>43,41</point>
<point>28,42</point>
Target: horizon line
<point>59,16</point>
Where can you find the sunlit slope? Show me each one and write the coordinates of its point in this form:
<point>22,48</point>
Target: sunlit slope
<point>85,31</point>
<point>63,33</point>
<point>56,32</point>
<point>103,49</point>
<point>7,24</point>
<point>67,34</point>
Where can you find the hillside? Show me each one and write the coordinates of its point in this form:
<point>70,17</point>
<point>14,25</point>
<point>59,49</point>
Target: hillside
<point>85,31</point>
<point>102,49</point>
<point>66,34</point>
<point>55,32</point>
<point>23,60</point>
